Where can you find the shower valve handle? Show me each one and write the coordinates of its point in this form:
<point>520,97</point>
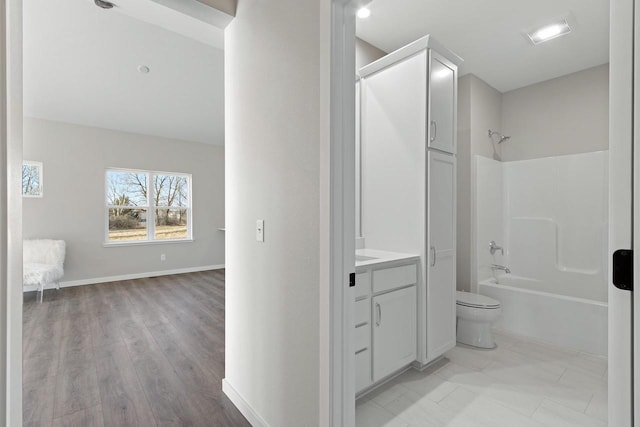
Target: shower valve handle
<point>493,247</point>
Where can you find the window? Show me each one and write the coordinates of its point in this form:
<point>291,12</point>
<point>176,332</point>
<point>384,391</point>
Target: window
<point>143,206</point>
<point>31,179</point>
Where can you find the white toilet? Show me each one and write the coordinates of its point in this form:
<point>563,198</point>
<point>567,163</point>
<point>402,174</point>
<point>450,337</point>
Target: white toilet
<point>476,313</point>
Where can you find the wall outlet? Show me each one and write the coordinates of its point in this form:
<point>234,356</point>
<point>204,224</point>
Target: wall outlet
<point>260,230</point>
<point>163,257</point>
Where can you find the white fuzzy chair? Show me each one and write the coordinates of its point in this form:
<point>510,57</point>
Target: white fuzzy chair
<point>43,263</point>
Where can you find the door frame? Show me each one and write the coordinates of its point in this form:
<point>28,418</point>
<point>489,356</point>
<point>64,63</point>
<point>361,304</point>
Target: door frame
<point>621,210</point>
<point>341,387</point>
<point>11,117</point>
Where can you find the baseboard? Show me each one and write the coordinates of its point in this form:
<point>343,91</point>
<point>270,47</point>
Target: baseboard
<point>96,280</point>
<point>245,409</point>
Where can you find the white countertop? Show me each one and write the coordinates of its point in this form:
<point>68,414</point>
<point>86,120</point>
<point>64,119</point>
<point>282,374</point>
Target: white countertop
<point>380,257</point>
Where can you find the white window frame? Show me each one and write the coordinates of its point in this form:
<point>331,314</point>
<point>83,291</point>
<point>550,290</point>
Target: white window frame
<point>149,207</point>
<point>40,177</point>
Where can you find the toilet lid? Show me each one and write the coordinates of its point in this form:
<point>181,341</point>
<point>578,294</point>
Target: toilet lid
<point>475,300</point>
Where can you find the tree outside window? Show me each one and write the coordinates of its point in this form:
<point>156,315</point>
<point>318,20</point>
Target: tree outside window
<point>134,197</point>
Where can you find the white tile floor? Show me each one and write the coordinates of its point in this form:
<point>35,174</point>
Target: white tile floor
<point>521,383</point>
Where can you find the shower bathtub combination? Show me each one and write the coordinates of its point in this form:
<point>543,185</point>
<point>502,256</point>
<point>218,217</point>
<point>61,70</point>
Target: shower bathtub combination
<point>551,217</point>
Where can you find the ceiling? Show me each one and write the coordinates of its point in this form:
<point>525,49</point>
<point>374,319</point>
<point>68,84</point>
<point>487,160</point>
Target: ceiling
<point>489,35</point>
<point>81,66</point>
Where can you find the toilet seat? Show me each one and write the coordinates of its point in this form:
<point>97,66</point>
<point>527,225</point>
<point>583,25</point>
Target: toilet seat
<point>467,299</point>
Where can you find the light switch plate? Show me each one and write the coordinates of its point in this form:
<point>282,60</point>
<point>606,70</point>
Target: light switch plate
<point>260,230</point>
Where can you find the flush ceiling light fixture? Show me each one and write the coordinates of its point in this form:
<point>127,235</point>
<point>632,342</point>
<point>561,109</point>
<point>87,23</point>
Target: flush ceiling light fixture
<point>143,69</point>
<point>364,12</point>
<point>549,32</point>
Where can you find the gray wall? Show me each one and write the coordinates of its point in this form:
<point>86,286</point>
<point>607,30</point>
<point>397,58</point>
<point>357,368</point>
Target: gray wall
<point>277,151</point>
<point>226,6</point>
<point>566,115</point>
<point>75,158</point>
<point>479,109</point>
<point>366,53</point>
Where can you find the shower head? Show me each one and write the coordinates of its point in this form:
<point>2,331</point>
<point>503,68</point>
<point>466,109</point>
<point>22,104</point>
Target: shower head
<point>104,4</point>
<point>502,137</point>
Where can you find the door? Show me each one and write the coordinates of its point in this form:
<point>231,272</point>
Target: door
<point>442,96</point>
<point>441,262</point>
<point>394,331</point>
<point>621,212</point>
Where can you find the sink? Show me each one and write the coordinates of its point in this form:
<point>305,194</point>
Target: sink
<point>364,258</point>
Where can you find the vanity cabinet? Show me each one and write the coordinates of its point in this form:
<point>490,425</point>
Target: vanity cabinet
<point>385,320</point>
<point>408,103</point>
<point>394,331</point>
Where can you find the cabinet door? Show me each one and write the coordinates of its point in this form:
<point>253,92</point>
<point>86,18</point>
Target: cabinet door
<point>442,103</point>
<point>394,331</point>
<point>441,262</point>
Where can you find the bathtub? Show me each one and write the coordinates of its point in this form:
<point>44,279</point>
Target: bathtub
<point>528,310</point>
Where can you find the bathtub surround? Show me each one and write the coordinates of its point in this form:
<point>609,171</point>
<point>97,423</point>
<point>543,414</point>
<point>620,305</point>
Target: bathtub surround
<point>550,215</point>
<point>489,208</point>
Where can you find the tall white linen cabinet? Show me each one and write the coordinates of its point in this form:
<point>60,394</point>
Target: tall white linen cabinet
<point>407,122</point>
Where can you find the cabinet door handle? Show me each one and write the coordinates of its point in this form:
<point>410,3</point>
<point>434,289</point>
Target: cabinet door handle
<point>378,314</point>
<point>434,127</point>
<point>433,256</point>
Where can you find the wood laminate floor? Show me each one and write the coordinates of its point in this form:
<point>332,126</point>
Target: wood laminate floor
<point>147,352</point>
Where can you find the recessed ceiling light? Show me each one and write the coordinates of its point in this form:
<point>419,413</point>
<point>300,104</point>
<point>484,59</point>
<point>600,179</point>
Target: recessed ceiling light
<point>549,32</point>
<point>143,69</point>
<point>364,12</point>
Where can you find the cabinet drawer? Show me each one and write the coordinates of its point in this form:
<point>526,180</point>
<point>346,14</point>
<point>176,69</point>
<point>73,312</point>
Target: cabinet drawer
<point>363,311</point>
<point>363,284</point>
<point>395,277</point>
<point>362,338</point>
<point>363,370</point>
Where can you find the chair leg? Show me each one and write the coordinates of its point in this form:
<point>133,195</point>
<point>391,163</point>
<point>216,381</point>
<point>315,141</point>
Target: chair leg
<point>41,292</point>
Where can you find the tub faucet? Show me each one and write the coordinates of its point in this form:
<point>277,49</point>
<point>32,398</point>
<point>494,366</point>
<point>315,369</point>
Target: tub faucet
<point>500,267</point>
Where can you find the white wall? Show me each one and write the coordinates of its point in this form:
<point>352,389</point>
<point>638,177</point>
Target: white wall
<point>74,162</point>
<point>566,115</point>
<point>276,126</point>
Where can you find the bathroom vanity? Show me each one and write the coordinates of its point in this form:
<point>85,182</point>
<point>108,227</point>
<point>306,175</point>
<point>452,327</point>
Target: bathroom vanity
<point>406,149</point>
<point>385,314</point>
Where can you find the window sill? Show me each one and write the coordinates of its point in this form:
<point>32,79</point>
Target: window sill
<point>146,242</point>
